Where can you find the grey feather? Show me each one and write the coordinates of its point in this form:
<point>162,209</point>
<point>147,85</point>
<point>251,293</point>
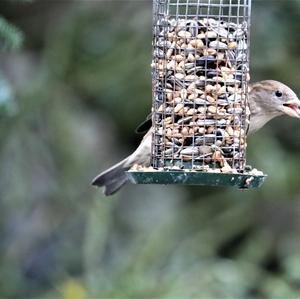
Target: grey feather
<point>113,178</point>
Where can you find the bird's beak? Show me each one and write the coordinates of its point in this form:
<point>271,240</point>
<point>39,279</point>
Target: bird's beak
<point>292,108</point>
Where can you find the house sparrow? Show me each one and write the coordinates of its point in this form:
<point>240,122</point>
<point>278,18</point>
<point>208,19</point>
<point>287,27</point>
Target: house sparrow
<point>267,99</point>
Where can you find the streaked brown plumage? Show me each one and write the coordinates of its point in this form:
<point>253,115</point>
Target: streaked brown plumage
<point>267,99</point>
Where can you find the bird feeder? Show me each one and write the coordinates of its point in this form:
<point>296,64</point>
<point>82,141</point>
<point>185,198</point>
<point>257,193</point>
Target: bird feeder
<point>200,113</point>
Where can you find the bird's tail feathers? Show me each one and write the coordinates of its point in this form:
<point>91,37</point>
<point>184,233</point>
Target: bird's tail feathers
<point>113,178</point>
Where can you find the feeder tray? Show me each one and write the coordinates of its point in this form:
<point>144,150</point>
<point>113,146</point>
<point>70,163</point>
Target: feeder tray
<point>200,178</point>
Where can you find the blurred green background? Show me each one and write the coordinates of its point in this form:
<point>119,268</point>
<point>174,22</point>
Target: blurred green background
<point>70,99</point>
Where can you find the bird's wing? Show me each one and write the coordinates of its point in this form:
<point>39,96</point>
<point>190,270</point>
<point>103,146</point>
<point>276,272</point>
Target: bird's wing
<point>142,154</point>
<point>145,126</point>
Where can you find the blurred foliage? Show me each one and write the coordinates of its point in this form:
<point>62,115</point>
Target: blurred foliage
<point>11,36</point>
<point>81,84</point>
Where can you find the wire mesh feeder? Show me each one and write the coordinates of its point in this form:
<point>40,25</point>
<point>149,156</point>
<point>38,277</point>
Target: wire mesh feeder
<point>200,74</point>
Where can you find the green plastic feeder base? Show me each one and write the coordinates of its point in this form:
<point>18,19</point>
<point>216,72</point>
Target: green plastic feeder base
<point>201,178</point>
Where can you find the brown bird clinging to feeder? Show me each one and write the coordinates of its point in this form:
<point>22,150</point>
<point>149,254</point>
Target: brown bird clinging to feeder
<point>267,99</point>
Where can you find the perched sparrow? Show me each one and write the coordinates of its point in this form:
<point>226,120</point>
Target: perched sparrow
<point>267,99</point>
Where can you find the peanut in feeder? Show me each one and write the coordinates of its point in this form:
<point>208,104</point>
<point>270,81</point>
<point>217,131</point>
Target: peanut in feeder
<point>200,75</point>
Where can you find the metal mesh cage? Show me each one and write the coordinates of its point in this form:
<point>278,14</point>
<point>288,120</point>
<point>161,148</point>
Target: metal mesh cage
<point>200,73</point>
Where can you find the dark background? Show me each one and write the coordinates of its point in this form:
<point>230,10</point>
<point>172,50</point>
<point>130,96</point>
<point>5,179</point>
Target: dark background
<point>70,99</point>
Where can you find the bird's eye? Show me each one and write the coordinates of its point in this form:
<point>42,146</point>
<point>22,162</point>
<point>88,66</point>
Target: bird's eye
<point>278,93</point>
